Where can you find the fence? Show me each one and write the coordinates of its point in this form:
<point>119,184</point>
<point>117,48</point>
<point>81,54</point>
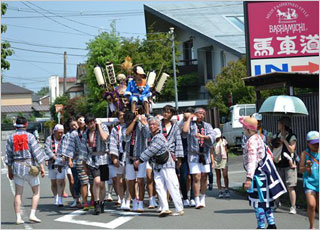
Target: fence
<point>300,125</point>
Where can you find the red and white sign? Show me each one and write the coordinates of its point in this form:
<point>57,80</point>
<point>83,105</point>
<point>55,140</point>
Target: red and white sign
<point>282,29</point>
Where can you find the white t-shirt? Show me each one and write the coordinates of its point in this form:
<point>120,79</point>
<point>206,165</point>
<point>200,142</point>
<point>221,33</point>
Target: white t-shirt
<point>219,150</point>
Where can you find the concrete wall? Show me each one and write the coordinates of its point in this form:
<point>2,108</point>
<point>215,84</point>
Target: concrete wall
<point>6,134</point>
<point>16,99</point>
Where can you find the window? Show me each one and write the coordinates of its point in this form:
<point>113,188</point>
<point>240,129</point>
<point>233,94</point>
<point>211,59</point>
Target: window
<point>246,111</point>
<point>209,65</point>
<point>237,21</point>
<point>188,52</point>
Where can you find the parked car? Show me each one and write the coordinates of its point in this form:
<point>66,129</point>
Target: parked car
<point>232,129</point>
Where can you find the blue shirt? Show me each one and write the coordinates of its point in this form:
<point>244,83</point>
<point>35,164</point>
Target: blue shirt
<point>311,181</point>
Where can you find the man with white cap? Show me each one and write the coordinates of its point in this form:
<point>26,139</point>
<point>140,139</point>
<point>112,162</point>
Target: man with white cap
<point>23,151</point>
<point>56,163</point>
<point>138,90</point>
<point>200,136</point>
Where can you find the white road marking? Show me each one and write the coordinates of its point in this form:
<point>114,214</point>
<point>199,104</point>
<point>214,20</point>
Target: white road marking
<point>125,217</point>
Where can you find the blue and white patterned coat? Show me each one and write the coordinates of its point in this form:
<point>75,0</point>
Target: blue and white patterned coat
<point>142,132</point>
<point>174,139</point>
<point>158,145</point>
<point>49,153</point>
<point>117,138</point>
<point>73,145</point>
<point>193,142</point>
<point>102,147</point>
<point>32,156</point>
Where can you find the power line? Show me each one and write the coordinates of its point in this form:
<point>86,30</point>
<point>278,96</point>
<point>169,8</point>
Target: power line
<point>70,11</point>
<point>126,12</point>
<point>25,79</point>
<point>55,31</point>
<point>47,52</point>
<point>81,23</point>
<point>42,45</point>
<point>56,20</point>
<point>45,62</point>
<point>63,17</point>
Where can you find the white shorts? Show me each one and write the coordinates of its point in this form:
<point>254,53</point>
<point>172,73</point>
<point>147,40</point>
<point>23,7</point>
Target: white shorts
<point>68,170</point>
<point>32,180</point>
<point>148,166</point>
<point>131,174</point>
<point>196,168</point>
<point>54,174</point>
<point>112,171</point>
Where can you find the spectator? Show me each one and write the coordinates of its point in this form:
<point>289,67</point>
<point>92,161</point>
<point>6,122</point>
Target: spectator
<point>220,154</point>
<point>288,173</point>
<point>309,166</point>
<point>260,169</point>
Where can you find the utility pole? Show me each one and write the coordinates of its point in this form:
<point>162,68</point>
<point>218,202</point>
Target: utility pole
<point>64,72</point>
<point>171,32</point>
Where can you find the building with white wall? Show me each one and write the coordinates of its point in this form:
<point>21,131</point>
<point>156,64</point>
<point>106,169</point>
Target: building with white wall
<point>56,87</point>
<point>210,34</point>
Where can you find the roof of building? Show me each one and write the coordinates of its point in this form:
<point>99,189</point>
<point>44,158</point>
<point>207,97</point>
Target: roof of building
<point>9,88</point>
<point>35,98</point>
<point>75,88</point>
<point>283,79</point>
<point>45,96</point>
<point>216,22</point>
<point>24,108</point>
<point>68,79</point>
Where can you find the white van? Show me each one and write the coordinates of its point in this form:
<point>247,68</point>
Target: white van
<point>232,129</point>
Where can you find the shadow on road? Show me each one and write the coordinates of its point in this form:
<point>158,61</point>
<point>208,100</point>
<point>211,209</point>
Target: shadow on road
<point>234,211</point>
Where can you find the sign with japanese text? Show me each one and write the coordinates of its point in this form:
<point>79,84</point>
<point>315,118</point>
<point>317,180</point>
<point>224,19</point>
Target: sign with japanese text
<point>282,30</point>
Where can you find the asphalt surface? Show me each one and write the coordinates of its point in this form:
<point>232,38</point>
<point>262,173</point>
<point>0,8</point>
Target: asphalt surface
<point>234,213</point>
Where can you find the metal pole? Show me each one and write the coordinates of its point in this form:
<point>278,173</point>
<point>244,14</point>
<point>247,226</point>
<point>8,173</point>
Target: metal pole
<point>174,67</point>
<point>64,72</point>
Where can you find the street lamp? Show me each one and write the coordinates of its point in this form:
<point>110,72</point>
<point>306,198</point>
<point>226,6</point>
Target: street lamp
<point>171,32</point>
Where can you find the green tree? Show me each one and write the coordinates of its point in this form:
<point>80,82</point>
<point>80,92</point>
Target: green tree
<point>230,81</point>
<point>43,91</point>
<point>105,47</point>
<point>75,106</point>
<point>5,46</point>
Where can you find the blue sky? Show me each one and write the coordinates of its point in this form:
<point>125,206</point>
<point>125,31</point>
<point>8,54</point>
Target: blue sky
<point>69,27</point>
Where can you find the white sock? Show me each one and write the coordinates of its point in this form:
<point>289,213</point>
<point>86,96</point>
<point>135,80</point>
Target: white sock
<point>18,216</point>
<point>197,200</point>
<point>60,199</point>
<point>33,212</point>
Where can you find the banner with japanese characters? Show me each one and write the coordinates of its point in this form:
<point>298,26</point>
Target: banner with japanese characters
<point>282,30</point>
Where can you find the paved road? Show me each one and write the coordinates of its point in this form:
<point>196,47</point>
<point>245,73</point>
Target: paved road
<point>232,213</point>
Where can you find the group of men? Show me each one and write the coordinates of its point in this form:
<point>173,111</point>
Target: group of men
<point>159,150</point>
